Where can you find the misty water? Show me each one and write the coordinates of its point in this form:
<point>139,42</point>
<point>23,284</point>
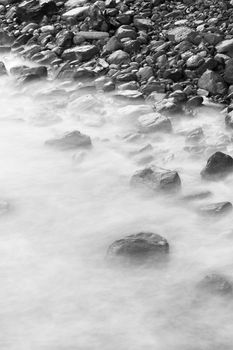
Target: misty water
<point>58,292</point>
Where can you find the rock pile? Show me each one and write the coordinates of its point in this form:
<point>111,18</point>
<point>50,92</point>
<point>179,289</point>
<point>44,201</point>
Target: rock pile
<point>181,48</point>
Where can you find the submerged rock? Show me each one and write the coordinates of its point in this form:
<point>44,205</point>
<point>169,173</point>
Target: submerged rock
<point>71,140</point>
<point>157,179</point>
<point>216,209</point>
<point>139,248</point>
<point>219,164</point>
<point>154,122</point>
<point>216,284</point>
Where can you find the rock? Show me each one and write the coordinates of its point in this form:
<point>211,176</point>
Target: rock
<point>125,31</point>
<point>229,120</point>
<point>140,248</point>
<point>219,164</point>
<point>83,53</point>
<point>3,70</point>
<point>93,35</point>
<point>143,23</point>
<point>112,45</point>
<point>76,12</point>
<point>179,34</point>
<point>34,10</point>
<point>194,136</point>
<point>195,61</point>
<point>212,38</point>
<point>154,122</point>
<point>197,196</point>
<point>144,73</point>
<point>5,38</point>
<point>228,73</point>
<point>157,179</point>
<point>212,82</point>
<point>71,140</point>
<point>64,39</point>
<point>216,284</point>
<point>226,47</point>
<point>215,209</point>
<point>194,101</point>
<point>119,57</point>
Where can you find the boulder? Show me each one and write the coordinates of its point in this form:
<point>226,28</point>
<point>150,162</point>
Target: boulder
<point>215,209</point>
<point>154,122</point>
<point>212,82</point>
<point>157,179</point>
<point>218,165</point>
<point>216,284</point>
<point>139,248</point>
<point>71,140</point>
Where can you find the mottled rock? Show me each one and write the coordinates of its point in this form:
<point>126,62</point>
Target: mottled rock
<point>70,140</point>
<point>215,209</point>
<point>154,122</point>
<point>212,82</point>
<point>219,164</point>
<point>216,284</point>
<point>157,179</point>
<point>179,34</point>
<point>139,248</point>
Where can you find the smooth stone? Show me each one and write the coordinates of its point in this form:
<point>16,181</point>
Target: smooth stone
<point>215,209</point>
<point>139,248</point>
<point>216,284</point>
<point>154,122</point>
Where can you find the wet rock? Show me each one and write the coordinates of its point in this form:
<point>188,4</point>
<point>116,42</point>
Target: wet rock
<point>25,73</point>
<point>216,284</point>
<point>3,70</point>
<point>34,10</point>
<point>76,13</point>
<point>139,248</point>
<point>194,136</point>
<point>212,82</point>
<point>179,34</point>
<point>118,57</point>
<point>228,73</point>
<point>125,31</point>
<point>157,179</point>
<point>226,47</point>
<point>215,209</point>
<point>154,122</point>
<point>194,101</point>
<point>229,120</point>
<point>70,140</point>
<point>197,196</point>
<point>112,45</point>
<point>64,39</point>
<point>219,164</point>
<point>195,61</point>
<point>82,53</point>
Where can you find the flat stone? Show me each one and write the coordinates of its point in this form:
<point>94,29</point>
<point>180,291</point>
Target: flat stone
<point>76,12</point>
<point>84,53</point>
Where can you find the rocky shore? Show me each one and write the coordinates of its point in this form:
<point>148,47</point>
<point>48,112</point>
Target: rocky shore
<point>182,50</point>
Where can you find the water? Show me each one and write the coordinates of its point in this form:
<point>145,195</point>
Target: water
<point>57,290</point>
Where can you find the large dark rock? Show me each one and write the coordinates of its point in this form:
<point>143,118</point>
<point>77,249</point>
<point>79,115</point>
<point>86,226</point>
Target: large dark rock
<point>34,10</point>
<point>139,248</point>
<point>219,164</point>
<point>157,179</point>
<point>71,140</point>
<point>216,284</point>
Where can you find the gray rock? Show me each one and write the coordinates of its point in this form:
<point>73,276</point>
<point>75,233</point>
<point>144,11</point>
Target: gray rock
<point>71,140</point>
<point>76,12</point>
<point>157,179</point>
<point>112,45</point>
<point>194,136</point>
<point>229,120</point>
<point>216,284</point>
<point>139,248</point>
<point>83,53</point>
<point>118,57</point>
<point>179,34</point>
<point>194,101</point>
<point>219,164</point>
<point>125,31</point>
<point>93,35</point>
<point>154,122</point>
<point>228,73</point>
<point>194,61</point>
<point>212,82</point>
<point>215,209</point>
<point>143,23</point>
<point>226,47</point>
<point>3,70</point>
